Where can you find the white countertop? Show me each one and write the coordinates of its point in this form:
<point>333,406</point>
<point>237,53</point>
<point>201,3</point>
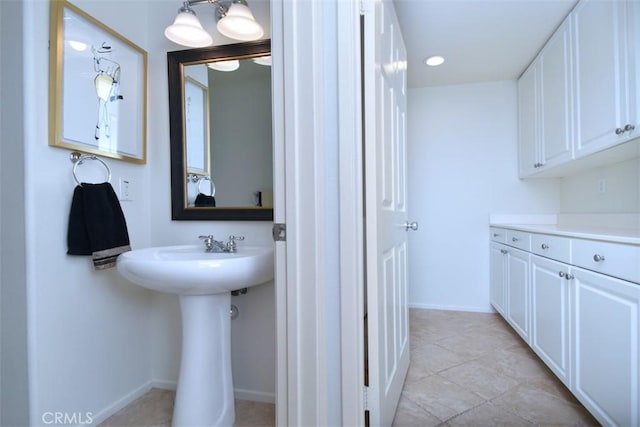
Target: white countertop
<point>629,236</point>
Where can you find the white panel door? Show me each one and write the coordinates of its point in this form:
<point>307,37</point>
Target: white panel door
<point>384,74</point>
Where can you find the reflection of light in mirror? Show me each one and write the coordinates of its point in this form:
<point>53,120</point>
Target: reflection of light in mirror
<point>226,66</point>
<point>263,60</point>
<point>76,45</point>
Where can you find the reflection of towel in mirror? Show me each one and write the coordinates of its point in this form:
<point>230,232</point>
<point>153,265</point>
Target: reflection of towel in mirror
<point>97,225</point>
<point>204,200</point>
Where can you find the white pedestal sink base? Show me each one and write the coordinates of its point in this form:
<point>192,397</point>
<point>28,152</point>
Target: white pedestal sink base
<point>205,388</point>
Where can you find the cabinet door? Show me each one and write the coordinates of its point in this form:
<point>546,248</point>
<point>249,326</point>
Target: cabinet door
<point>527,122</point>
<point>550,316</point>
<point>518,291</point>
<point>606,343</point>
<point>601,78</point>
<point>555,98</point>
<point>497,259</point>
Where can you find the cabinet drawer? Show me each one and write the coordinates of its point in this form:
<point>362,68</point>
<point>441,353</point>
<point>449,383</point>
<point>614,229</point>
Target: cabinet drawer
<point>555,247</point>
<point>613,259</point>
<point>498,234</point>
<point>519,239</point>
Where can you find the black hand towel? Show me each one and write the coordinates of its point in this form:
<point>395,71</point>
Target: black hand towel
<point>204,200</point>
<point>96,225</point>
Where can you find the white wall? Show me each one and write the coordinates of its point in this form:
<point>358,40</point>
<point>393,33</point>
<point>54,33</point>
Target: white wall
<point>89,332</point>
<point>462,167</point>
<point>95,341</point>
<point>581,193</point>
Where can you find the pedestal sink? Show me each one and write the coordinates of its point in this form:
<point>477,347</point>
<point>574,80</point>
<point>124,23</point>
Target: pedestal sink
<point>203,281</point>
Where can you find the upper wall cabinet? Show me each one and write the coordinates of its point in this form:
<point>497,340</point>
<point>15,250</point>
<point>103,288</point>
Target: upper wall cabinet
<point>544,103</point>
<point>606,104</point>
<point>579,96</point>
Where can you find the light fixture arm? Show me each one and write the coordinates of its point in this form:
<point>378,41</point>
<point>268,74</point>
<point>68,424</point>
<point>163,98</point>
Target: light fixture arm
<point>220,7</point>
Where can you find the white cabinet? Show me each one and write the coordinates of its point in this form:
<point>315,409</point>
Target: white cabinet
<point>550,315</point>
<point>605,101</point>
<point>582,322</point>
<point>556,136</point>
<point>498,270</point>
<point>544,107</point>
<point>528,162</point>
<point>607,336</point>
<point>518,291</point>
<point>580,95</point>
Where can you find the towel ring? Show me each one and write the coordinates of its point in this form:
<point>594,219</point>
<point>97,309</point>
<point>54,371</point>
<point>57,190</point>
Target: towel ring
<point>78,159</point>
<point>212,186</point>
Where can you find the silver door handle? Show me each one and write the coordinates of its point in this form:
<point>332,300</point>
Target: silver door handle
<point>410,225</point>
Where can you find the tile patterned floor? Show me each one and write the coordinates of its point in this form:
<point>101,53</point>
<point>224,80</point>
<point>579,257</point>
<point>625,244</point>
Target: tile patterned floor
<point>154,409</point>
<point>467,369</point>
<point>472,369</point>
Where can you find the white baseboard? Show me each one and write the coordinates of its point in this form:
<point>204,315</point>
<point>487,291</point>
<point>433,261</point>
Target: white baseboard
<point>164,385</point>
<point>487,309</point>
<point>255,396</point>
<point>121,403</point>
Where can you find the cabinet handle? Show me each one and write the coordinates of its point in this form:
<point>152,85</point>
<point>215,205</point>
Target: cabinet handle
<point>514,239</point>
<point>619,131</point>
<point>545,246</point>
<point>504,251</point>
<point>568,276</point>
<point>598,258</point>
<point>496,234</point>
<point>629,128</point>
<point>561,273</point>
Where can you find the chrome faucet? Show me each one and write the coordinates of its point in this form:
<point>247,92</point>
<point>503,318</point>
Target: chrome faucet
<point>213,245</point>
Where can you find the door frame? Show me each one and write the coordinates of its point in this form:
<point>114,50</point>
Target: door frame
<point>319,269</point>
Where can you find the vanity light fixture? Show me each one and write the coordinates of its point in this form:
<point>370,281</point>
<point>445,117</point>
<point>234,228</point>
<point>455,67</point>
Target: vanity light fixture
<point>231,65</point>
<point>434,61</point>
<point>235,20</point>
<point>263,60</point>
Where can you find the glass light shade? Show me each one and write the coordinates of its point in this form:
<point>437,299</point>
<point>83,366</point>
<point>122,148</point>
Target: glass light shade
<point>263,60</point>
<point>187,31</point>
<point>230,65</point>
<point>239,24</point>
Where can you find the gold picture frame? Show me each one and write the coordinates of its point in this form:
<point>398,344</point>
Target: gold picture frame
<point>97,87</point>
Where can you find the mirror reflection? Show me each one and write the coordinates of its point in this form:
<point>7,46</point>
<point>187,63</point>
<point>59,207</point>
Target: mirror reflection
<point>228,134</point>
<point>221,132</point>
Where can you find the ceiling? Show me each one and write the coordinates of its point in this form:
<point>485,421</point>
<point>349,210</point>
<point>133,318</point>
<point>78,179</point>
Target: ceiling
<point>481,40</point>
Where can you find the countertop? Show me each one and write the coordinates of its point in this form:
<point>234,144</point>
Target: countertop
<point>629,236</point>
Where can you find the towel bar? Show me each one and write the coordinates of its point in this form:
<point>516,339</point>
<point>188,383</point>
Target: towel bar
<point>78,159</point>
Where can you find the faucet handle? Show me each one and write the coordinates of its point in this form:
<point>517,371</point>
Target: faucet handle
<point>236,238</point>
<point>205,238</point>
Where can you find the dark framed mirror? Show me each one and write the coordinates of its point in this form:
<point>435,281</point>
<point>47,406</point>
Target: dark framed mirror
<point>220,132</point>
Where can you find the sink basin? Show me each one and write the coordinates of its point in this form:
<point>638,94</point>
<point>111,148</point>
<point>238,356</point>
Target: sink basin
<point>189,270</point>
<point>202,281</point>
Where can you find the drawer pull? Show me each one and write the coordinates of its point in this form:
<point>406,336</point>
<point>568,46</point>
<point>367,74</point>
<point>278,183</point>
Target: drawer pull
<point>598,258</point>
<point>496,234</point>
<point>504,251</point>
<point>514,239</point>
<point>568,276</point>
<point>561,273</point>
<point>544,246</point>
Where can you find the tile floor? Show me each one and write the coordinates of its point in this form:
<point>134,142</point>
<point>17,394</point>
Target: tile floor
<point>473,369</point>
<point>466,369</point>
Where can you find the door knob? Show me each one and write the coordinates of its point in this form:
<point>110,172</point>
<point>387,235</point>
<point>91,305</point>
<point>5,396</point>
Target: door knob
<point>410,225</point>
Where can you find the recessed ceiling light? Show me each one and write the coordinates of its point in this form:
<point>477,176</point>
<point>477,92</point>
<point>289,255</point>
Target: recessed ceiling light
<point>434,61</point>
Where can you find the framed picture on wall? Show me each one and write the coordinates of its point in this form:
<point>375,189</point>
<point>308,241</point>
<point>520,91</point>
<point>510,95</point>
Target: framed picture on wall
<point>97,87</point>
